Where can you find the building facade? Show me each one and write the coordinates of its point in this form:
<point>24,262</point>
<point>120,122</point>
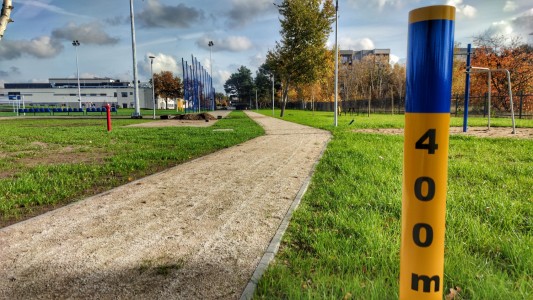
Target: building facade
<point>63,92</point>
<point>349,56</point>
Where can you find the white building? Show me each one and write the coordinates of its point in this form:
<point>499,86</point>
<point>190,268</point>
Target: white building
<point>64,92</point>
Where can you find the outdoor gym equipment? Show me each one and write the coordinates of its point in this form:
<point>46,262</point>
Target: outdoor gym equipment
<point>469,69</point>
<point>425,169</point>
<point>489,72</point>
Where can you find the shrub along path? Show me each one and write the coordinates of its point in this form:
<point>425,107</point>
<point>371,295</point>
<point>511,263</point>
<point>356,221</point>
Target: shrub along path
<point>195,231</point>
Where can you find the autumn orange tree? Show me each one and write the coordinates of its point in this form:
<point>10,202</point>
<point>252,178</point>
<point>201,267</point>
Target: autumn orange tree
<point>502,52</point>
<point>167,86</point>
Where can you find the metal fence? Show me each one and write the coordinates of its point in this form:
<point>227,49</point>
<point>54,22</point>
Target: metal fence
<point>478,106</point>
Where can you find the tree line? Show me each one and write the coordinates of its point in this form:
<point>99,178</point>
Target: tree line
<point>301,67</point>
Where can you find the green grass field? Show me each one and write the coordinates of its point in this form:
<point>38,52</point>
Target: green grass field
<point>343,241</point>
<point>121,112</point>
<point>50,162</point>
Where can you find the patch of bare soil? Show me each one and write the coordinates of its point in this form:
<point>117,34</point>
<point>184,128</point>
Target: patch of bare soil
<point>44,154</point>
<point>187,120</point>
<point>202,116</point>
<point>64,156</point>
<point>493,132</point>
<point>195,231</point>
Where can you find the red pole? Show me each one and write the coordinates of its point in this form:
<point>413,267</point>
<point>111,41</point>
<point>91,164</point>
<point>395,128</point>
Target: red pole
<point>108,109</point>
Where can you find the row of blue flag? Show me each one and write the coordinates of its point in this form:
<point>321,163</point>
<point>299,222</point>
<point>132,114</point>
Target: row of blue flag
<point>198,90</point>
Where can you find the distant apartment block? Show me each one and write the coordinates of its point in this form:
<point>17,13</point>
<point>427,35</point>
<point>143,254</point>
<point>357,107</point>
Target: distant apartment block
<point>349,56</point>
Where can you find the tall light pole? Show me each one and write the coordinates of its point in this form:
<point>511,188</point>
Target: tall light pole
<point>153,82</point>
<point>211,44</point>
<point>272,94</point>
<point>76,44</point>
<point>336,61</point>
<point>137,113</point>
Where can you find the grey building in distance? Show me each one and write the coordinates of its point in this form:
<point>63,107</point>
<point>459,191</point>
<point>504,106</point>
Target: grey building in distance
<point>63,92</point>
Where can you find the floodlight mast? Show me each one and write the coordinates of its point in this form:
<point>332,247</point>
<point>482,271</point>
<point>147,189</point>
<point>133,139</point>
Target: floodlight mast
<point>76,44</point>
<point>212,97</point>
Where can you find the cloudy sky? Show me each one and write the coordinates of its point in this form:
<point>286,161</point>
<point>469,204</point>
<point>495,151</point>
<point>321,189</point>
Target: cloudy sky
<point>38,45</point>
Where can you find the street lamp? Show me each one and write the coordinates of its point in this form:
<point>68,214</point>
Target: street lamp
<point>211,44</point>
<point>76,44</point>
<point>153,83</point>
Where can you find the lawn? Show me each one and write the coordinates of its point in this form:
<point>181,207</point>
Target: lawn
<point>121,112</point>
<point>343,241</point>
<point>45,163</point>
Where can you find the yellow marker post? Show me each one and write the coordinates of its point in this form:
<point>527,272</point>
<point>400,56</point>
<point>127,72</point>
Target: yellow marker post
<point>425,170</point>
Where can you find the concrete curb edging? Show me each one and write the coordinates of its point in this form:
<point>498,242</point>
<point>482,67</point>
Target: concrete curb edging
<point>273,247</point>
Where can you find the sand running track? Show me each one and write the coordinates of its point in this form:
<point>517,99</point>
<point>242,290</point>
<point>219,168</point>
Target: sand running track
<point>195,231</point>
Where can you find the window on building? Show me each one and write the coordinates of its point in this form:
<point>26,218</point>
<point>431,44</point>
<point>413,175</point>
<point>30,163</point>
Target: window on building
<point>124,94</point>
<point>131,93</point>
<point>115,94</point>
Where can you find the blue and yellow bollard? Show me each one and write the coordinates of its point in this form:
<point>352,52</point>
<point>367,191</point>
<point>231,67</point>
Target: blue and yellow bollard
<point>425,170</point>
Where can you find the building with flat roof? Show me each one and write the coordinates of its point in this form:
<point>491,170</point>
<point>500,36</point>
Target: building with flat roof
<point>349,56</point>
<point>64,92</point>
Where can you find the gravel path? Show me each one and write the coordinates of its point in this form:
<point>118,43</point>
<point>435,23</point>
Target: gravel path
<point>196,231</point>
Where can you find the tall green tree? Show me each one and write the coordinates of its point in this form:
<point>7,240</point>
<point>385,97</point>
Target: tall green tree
<point>301,57</point>
<point>240,84</point>
<point>263,84</point>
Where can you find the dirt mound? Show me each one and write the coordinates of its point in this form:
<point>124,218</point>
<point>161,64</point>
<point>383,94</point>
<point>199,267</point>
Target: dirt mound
<point>201,116</point>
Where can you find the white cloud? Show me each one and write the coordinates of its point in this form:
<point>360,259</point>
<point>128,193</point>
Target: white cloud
<point>162,62</point>
<point>38,80</point>
<point>469,11</point>
<point>257,60</point>
<point>157,15</point>
<point>463,9</point>
<point>509,6</point>
<point>359,44</point>
<point>126,76</point>
<point>230,43</point>
<point>524,23</point>
<point>244,11</point>
<point>501,27</point>
<point>220,77</point>
<point>40,47</point>
<point>379,4</point>
<point>31,8</point>
<point>88,33</point>
<point>394,59</point>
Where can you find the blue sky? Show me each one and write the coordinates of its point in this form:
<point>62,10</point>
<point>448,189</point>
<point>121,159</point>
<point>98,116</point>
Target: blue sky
<point>38,46</point>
